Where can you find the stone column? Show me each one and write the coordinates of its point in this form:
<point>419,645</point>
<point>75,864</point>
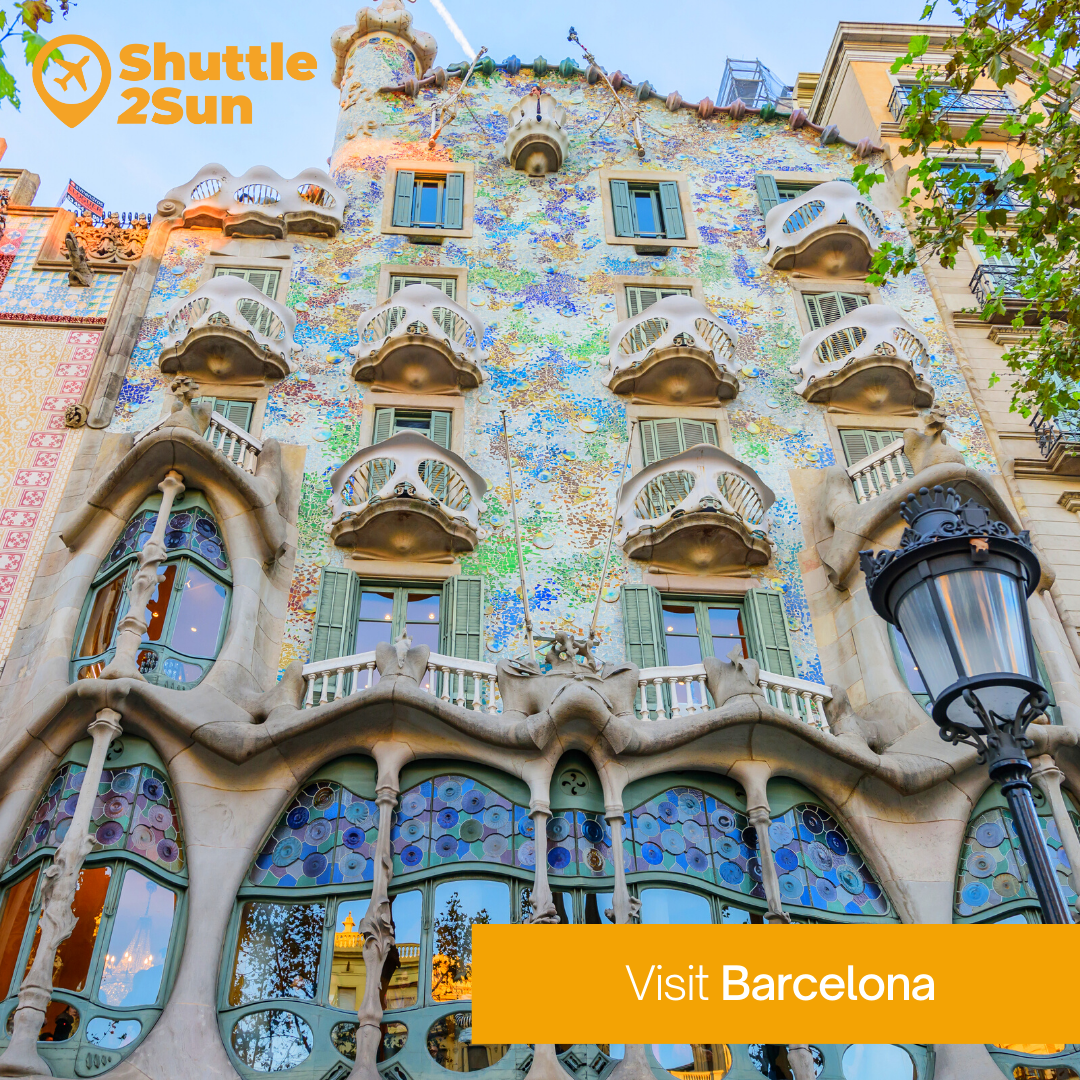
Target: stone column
<point>57,920</point>
<point>540,900</point>
<point>133,625</point>
<point>801,1061</point>
<point>754,777</point>
<point>1048,776</point>
<point>625,907</point>
<point>380,948</point>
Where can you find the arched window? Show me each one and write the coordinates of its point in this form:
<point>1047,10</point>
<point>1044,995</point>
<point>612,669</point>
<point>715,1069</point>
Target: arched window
<point>992,879</point>
<point>113,974</point>
<point>188,612</point>
<point>462,847</point>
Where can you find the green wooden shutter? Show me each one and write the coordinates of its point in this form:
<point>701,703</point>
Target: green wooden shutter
<point>440,429</point>
<point>266,281</point>
<point>640,297</point>
<point>454,216</point>
<point>767,195</point>
<point>769,642</point>
<point>671,208</point>
<point>383,427</point>
<point>825,308</point>
<point>401,281</point>
<point>859,443</point>
<point>697,431</point>
<point>435,473</point>
<point>236,412</point>
<point>620,208</point>
<point>462,618</point>
<point>333,634</point>
<point>403,198</point>
<point>643,626</point>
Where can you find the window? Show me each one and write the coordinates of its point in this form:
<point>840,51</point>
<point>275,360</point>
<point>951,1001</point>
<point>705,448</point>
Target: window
<point>354,615</point>
<point>640,297</point>
<point>825,308</point>
<point>402,281</point>
<point>694,629</point>
<point>661,439</point>
<point>429,201</point>
<point>650,211</point>
<point>434,425</point>
<point>955,178</point>
<point>860,443</point>
<point>771,192</point>
<point>112,974</point>
<point>266,281</point>
<point>237,412</point>
<point>188,611</point>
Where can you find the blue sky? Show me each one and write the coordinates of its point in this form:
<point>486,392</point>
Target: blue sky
<point>130,167</point>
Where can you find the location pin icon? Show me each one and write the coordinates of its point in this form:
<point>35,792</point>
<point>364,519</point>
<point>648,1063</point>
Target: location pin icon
<point>71,114</point>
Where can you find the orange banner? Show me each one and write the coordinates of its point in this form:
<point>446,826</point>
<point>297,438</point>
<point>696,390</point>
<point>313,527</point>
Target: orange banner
<point>755,984</point>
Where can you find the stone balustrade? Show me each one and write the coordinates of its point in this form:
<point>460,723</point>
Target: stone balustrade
<point>870,361</point>
<point>241,448</point>
<point>406,498</point>
<point>261,203</point>
<point>421,342</point>
<point>831,230</point>
<point>884,469</point>
<point>228,330</point>
<point>536,142</point>
<point>675,352</point>
<point>701,512</point>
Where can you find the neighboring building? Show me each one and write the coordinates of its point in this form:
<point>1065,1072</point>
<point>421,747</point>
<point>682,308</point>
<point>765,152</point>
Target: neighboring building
<point>278,641</point>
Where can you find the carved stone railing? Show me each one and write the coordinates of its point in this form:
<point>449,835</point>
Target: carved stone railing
<point>679,691</point>
<point>674,352</point>
<point>421,342</point>
<point>886,468</point>
<point>261,202</point>
<point>406,498</point>
<point>234,442</point>
<point>468,683</point>
<point>870,361</point>
<point>701,512</point>
<point>536,142</point>
<point>831,230</point>
<point>229,330</point>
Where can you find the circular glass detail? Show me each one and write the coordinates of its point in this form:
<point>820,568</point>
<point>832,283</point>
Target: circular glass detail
<point>449,1042</point>
<point>343,1036</point>
<point>877,1062</point>
<point>772,1060</point>
<point>112,1034</point>
<point>271,1041</point>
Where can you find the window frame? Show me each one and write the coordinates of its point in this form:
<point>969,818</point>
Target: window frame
<point>427,234</point>
<point>625,281</point>
<point>387,271</point>
<point>702,605</point>
<point>283,268</point>
<point>653,178</point>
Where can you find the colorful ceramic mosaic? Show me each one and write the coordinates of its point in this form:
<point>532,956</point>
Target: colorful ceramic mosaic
<point>579,845</point>
<point>993,869</point>
<point>42,371</point>
<point>685,831</point>
<point>134,811</point>
<point>454,819</point>
<point>542,278</point>
<point>819,866</point>
<point>326,837</point>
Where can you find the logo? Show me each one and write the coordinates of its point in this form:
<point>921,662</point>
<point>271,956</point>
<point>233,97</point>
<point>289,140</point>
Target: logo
<point>69,96</point>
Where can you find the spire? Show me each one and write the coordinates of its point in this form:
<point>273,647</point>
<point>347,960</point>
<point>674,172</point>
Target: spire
<point>391,17</point>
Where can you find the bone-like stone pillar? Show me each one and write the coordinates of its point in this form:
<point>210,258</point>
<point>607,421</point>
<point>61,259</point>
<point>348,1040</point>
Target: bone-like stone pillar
<point>754,777</point>
<point>1048,776</point>
<point>801,1061</point>
<point>133,625</point>
<point>57,920</point>
<point>625,907</point>
<point>380,947</point>
<point>543,906</point>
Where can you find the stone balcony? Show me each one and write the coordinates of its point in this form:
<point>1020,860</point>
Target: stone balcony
<point>406,498</point>
<point>261,203</point>
<point>241,448</point>
<point>870,361</point>
<point>419,342</point>
<point>676,352</point>
<point>227,330</point>
<point>536,142</point>
<point>1059,442</point>
<point>701,512</point>
<point>830,231</point>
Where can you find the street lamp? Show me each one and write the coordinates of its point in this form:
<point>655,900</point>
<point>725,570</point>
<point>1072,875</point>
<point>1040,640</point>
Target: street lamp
<point>957,589</point>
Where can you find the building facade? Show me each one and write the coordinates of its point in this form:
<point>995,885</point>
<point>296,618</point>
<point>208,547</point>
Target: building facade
<point>281,722</point>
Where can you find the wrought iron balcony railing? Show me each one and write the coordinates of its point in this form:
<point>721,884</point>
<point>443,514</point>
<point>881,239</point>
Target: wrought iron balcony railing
<point>991,280</point>
<point>1058,437</point>
<point>953,101</point>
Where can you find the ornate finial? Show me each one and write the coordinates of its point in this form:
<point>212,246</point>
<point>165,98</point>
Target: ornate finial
<point>927,501</point>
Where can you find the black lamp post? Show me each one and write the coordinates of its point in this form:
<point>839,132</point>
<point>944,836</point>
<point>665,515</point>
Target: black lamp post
<point>957,589</point>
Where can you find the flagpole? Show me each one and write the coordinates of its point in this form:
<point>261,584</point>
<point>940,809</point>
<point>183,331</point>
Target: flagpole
<point>517,539</point>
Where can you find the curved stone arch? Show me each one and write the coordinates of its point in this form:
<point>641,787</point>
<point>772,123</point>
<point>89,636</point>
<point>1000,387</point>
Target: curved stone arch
<point>121,962</point>
<point>992,881</point>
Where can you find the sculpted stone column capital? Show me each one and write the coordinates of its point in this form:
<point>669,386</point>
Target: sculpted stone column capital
<point>1045,773</point>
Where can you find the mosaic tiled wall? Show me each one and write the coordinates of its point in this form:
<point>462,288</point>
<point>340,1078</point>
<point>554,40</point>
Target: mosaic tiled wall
<point>542,277</point>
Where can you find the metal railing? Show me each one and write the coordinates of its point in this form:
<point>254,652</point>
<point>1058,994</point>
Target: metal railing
<point>991,280</point>
<point>882,470</point>
<point>953,101</point>
<point>1051,433</point>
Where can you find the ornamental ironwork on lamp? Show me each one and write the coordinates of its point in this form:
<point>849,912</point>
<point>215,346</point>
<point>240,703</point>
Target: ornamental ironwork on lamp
<point>957,589</point>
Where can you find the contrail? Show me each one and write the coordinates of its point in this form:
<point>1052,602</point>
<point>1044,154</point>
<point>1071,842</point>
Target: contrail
<point>454,29</point>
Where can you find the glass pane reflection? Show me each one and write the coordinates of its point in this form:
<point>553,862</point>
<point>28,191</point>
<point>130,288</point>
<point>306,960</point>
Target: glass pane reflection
<point>198,620</point>
<point>348,976</point>
<point>674,906</point>
<point>271,1041</point>
<point>876,1062</point>
<point>694,1061</point>
<point>596,904</point>
<point>140,939</point>
<point>103,614</point>
<point>986,607</point>
<point>277,953</point>
<point>449,1042</point>
<point>459,905</point>
<point>13,926</point>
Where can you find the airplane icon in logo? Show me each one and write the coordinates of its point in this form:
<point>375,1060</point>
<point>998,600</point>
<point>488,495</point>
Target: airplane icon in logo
<point>72,69</point>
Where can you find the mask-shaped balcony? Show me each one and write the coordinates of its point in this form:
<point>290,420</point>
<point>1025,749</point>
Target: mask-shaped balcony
<point>871,360</point>
<point>228,330</point>
<point>419,341</point>
<point>701,512</point>
<point>675,352</point>
<point>536,142</point>
<point>406,498</point>
<point>830,230</point>
<point>261,203</point>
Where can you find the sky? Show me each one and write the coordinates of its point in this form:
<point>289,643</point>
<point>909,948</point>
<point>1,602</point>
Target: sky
<point>130,167</point>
